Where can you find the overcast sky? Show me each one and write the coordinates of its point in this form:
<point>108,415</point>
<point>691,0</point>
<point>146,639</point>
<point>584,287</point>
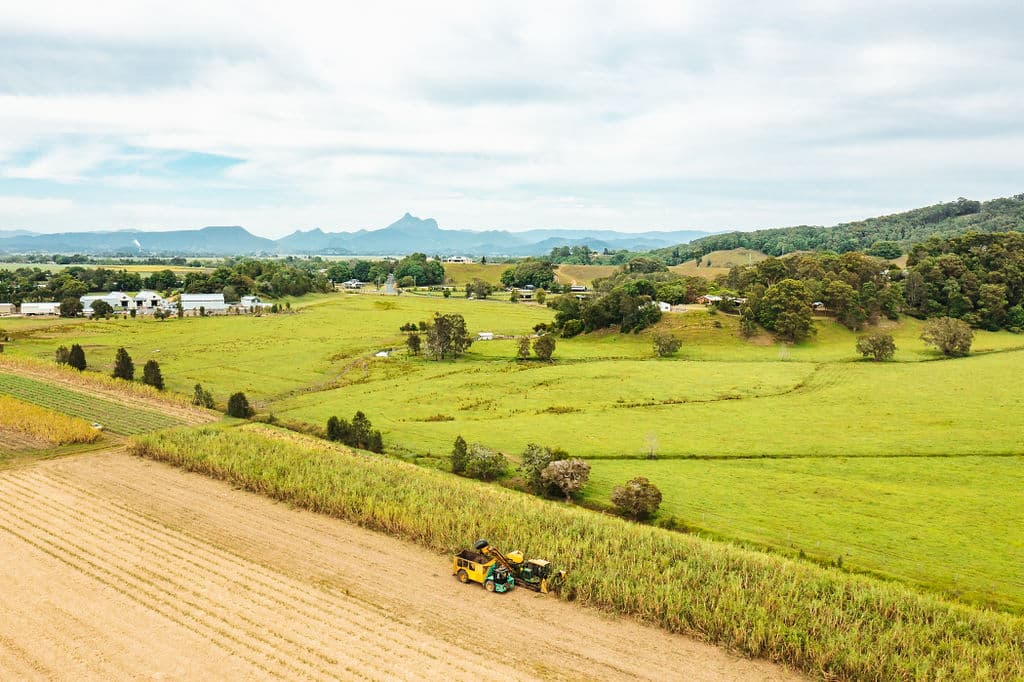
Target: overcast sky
<point>344,115</point>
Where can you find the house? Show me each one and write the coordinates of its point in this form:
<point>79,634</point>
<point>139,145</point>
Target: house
<point>577,289</point>
<point>526,293</point>
<point>485,336</point>
<point>709,299</point>
<point>253,303</point>
<point>458,259</point>
<point>7,309</point>
<point>664,307</point>
<point>352,284</point>
<point>147,301</point>
<point>41,308</point>
<point>210,303</point>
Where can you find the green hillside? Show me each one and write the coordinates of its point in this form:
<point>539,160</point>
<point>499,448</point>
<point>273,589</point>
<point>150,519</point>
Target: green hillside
<point>901,229</point>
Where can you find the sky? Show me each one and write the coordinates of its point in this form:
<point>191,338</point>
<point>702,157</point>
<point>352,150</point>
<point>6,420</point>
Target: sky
<point>632,116</point>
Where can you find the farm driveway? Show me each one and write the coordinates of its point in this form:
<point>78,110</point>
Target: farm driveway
<point>116,567</point>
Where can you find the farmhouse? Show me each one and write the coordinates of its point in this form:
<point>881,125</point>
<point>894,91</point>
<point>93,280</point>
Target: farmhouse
<point>40,308</point>
<point>709,299</point>
<point>458,259</point>
<point>211,303</point>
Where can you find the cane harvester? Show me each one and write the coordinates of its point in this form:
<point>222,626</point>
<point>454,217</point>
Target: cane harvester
<point>499,572</point>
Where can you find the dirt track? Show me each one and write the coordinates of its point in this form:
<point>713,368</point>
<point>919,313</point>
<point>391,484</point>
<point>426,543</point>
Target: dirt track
<point>115,567</point>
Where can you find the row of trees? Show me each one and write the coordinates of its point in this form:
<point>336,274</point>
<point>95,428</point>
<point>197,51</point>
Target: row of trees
<point>415,268</point>
<point>124,368</point>
<point>631,307</point>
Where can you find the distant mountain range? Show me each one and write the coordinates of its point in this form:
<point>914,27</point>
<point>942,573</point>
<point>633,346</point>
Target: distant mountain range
<point>406,235</point>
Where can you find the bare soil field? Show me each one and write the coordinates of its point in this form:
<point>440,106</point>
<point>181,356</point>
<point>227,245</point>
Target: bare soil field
<point>117,568</point>
<point>12,441</point>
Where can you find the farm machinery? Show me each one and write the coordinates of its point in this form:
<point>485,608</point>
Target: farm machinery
<point>499,572</point>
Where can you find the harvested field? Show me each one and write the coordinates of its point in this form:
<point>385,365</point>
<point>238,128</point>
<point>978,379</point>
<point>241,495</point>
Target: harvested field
<point>12,441</point>
<point>117,567</point>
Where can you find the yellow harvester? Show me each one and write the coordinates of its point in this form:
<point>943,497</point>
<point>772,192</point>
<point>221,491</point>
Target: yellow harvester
<point>499,572</point>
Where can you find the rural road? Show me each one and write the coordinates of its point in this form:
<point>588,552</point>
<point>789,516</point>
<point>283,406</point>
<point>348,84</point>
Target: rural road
<point>115,567</point>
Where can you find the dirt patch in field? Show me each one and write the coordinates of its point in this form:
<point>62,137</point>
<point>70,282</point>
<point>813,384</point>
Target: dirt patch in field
<point>12,441</point>
<point>117,567</point>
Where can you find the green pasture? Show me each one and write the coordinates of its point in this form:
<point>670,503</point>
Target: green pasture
<point>949,524</point>
<point>269,355</point>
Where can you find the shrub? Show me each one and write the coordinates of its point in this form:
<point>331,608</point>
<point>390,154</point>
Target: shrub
<point>878,346</point>
<point>124,368</point>
<point>151,375</point>
<point>666,344</point>
<point>76,357</point>
<point>202,397</point>
<point>523,348</point>
<point>951,336</point>
<point>61,355</point>
<point>638,498</point>
<point>238,406</point>
<point>544,346</point>
<point>414,343</point>
<point>357,434</point>
<point>101,309</point>
<point>484,463</point>
<point>569,475</point>
<point>460,455</point>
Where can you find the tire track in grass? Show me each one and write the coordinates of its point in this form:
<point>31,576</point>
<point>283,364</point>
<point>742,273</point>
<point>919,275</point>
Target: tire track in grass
<point>296,593</point>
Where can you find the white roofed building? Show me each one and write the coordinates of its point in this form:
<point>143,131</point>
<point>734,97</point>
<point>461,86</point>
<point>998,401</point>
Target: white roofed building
<point>211,303</point>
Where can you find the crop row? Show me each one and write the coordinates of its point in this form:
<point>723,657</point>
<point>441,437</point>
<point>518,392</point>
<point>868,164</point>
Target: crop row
<point>824,621</point>
<point>40,422</point>
<point>117,418</point>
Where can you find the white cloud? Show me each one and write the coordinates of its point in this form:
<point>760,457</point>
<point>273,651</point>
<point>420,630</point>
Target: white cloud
<point>652,115</point>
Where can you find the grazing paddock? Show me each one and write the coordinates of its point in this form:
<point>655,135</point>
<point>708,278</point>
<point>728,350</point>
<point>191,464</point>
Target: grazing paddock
<point>949,524</point>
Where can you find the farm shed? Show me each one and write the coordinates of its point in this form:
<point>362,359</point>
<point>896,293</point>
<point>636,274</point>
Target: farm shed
<point>352,284</point>
<point>147,300</point>
<point>664,307</point>
<point>252,303</point>
<point>211,303</point>
<point>6,308</point>
<point>117,300</point>
<point>41,308</point>
<point>485,336</point>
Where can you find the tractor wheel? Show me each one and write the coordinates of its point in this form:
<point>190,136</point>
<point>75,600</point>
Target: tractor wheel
<point>463,577</point>
<point>489,585</point>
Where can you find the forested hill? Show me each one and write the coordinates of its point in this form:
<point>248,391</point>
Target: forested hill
<point>886,234</point>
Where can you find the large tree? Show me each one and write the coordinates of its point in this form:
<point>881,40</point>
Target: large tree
<point>785,309</point>
<point>539,273</point>
<point>447,336</point>
<point>76,357</point>
<point>951,336</point>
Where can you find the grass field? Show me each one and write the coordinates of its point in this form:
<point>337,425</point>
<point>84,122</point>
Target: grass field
<point>718,262</point>
<point>113,416</point>
<point>950,524</point>
<point>458,274</point>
